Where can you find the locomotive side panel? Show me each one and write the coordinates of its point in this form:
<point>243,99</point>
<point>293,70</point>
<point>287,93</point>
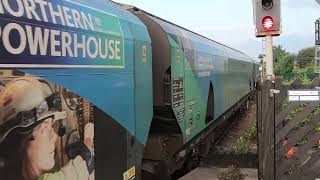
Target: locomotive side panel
<point>93,55</point>
<point>208,63</point>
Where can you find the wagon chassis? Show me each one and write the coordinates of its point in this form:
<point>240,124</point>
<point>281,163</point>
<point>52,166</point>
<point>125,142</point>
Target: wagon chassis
<point>198,148</point>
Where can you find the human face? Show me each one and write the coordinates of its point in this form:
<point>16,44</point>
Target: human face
<point>41,150</point>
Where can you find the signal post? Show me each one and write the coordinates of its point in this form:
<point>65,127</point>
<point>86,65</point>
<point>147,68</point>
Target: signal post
<point>317,46</point>
<point>267,15</point>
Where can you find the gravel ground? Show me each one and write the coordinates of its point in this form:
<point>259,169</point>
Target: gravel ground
<point>213,173</point>
<point>238,128</point>
<point>230,143</point>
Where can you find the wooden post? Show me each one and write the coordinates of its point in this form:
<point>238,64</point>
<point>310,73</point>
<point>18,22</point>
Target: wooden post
<point>266,130</point>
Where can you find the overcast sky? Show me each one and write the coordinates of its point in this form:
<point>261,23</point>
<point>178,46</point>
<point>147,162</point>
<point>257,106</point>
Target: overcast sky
<point>231,21</point>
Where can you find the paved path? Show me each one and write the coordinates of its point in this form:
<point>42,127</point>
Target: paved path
<point>212,174</point>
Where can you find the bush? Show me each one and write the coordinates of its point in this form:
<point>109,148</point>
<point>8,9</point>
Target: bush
<point>306,75</point>
<point>244,143</point>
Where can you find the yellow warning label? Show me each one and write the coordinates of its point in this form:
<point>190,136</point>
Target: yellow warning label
<point>144,54</point>
<point>178,54</point>
<point>130,174</point>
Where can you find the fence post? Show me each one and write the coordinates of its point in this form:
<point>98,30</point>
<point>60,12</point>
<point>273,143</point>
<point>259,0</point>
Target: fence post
<point>266,130</point>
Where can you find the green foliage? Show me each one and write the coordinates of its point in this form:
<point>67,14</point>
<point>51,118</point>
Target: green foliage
<point>285,64</point>
<point>278,56</point>
<point>243,144</point>
<point>279,53</point>
<point>292,114</point>
<point>309,117</point>
<point>317,128</point>
<point>306,75</point>
<point>287,82</point>
<point>305,80</point>
<point>285,103</point>
<point>305,57</point>
<point>233,173</point>
<point>302,141</point>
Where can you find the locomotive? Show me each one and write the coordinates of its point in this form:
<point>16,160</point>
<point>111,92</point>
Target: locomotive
<point>154,91</point>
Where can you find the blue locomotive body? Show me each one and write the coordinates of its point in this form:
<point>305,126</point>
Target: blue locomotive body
<point>145,79</point>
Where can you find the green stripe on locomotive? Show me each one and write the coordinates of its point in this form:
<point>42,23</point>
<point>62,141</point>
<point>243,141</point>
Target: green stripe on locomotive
<point>192,120</point>
<point>190,65</point>
<point>230,73</point>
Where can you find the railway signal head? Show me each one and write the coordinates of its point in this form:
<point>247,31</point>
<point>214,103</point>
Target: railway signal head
<point>317,32</point>
<point>267,4</point>
<point>267,17</point>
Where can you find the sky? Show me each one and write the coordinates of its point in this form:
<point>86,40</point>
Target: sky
<point>231,21</point>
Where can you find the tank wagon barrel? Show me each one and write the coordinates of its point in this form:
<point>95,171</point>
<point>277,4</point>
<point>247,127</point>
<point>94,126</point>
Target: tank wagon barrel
<point>197,83</point>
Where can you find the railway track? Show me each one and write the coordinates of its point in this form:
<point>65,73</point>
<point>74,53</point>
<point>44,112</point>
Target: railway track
<point>224,151</point>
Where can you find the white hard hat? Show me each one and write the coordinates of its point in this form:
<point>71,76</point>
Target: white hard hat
<point>26,101</point>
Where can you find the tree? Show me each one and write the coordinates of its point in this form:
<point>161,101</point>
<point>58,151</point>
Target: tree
<point>285,64</point>
<point>305,57</point>
<point>279,53</point>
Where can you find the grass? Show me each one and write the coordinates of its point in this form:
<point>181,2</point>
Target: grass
<point>317,127</point>
<point>285,104</point>
<point>290,116</point>
<point>287,82</point>
<point>302,141</point>
<point>303,77</point>
<point>303,122</point>
<point>233,173</point>
<point>310,116</point>
<point>244,143</point>
<point>305,80</point>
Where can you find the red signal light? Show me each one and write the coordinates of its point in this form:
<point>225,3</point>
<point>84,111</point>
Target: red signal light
<point>268,23</point>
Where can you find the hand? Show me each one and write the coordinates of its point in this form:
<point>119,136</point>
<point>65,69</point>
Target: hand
<point>89,136</point>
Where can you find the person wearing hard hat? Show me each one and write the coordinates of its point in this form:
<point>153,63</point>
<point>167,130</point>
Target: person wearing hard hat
<point>28,109</point>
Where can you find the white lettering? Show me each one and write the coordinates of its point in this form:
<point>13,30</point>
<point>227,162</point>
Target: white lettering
<point>67,16</point>
<point>18,13</point>
<point>87,21</point>
<point>55,14</point>
<point>117,49</point>
<point>93,54</point>
<point>6,38</point>
<point>54,43</point>
<point>105,47</point>
<point>77,19</point>
<point>31,9</point>
<point>78,46</point>
<point>66,44</point>
<point>1,8</point>
<point>37,41</point>
<point>111,44</point>
<point>42,5</point>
